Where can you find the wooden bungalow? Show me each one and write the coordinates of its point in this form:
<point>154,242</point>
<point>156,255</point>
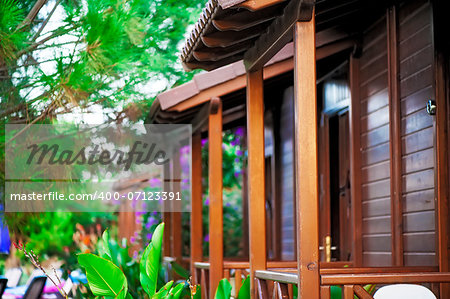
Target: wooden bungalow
<point>345,104</point>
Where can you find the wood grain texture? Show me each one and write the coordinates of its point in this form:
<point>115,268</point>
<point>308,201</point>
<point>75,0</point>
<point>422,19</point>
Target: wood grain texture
<point>197,203</point>
<point>395,137</point>
<point>256,180</point>
<point>215,200</point>
<point>375,147</point>
<point>355,161</point>
<point>306,163</point>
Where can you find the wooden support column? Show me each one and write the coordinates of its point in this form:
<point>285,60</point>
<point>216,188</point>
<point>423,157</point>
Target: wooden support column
<point>176,227</point>
<point>442,92</point>
<point>306,164</point>
<point>355,161</point>
<point>215,197</point>
<point>395,139</point>
<point>167,215</point>
<point>256,181</point>
<point>196,204</point>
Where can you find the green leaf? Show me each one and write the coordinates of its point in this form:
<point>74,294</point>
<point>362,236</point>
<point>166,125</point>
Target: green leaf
<point>223,290</point>
<point>153,261</point>
<point>145,280</point>
<point>104,278</point>
<point>336,292</point>
<point>175,293</point>
<point>244,292</point>
<point>178,269</point>
<point>162,293</point>
<point>103,248</point>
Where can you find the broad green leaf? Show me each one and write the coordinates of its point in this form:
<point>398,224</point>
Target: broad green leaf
<point>178,269</point>
<point>162,293</point>
<point>244,292</point>
<point>153,262</point>
<point>103,248</point>
<point>145,280</point>
<point>175,293</point>
<point>223,290</point>
<point>104,278</point>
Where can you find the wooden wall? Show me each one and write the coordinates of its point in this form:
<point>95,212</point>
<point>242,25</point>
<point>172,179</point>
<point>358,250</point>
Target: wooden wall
<point>417,131</point>
<point>415,81</point>
<point>376,212</point>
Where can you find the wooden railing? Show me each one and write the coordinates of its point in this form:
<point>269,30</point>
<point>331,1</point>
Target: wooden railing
<point>278,284</point>
<point>234,270</point>
<point>240,269</point>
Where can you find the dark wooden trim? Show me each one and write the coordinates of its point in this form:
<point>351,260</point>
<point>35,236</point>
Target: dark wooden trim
<point>395,140</point>
<point>167,215</point>
<point>384,278</point>
<point>176,227</point>
<point>442,93</point>
<point>355,162</point>
<point>256,180</point>
<point>306,163</point>
<point>196,203</point>
<point>215,200</point>
<point>278,34</point>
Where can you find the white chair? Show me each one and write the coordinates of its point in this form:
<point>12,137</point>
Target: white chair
<point>13,275</point>
<point>404,291</point>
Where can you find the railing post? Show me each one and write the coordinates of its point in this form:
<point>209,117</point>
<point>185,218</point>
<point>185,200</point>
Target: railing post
<point>215,197</point>
<point>306,168</point>
<point>348,292</point>
<point>256,188</point>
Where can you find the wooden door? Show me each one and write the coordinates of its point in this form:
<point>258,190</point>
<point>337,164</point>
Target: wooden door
<point>335,216</point>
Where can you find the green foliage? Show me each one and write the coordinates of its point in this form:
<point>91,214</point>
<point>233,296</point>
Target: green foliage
<point>223,290</point>
<point>244,292</point>
<point>116,283</point>
<point>151,260</point>
<point>105,278</point>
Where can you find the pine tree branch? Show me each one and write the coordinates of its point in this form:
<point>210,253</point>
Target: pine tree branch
<point>32,14</point>
<point>46,21</point>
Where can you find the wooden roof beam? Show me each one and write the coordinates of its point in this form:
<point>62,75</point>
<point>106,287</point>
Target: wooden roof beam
<point>225,39</point>
<point>255,5</point>
<point>244,19</point>
<point>278,34</point>
<point>221,53</point>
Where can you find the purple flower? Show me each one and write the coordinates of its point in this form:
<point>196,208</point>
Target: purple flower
<point>228,204</point>
<point>234,142</point>
<point>204,141</point>
<point>237,173</point>
<point>239,153</point>
<point>135,254</point>
<point>154,182</point>
<point>206,239</point>
<point>138,221</point>
<point>237,160</point>
<point>207,201</point>
<point>132,239</point>
<point>240,131</point>
<point>184,149</point>
<point>149,236</point>
<point>154,213</point>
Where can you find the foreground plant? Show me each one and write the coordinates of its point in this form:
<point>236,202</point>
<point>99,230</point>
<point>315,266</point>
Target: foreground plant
<point>224,290</point>
<point>106,279</point>
<point>33,258</point>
